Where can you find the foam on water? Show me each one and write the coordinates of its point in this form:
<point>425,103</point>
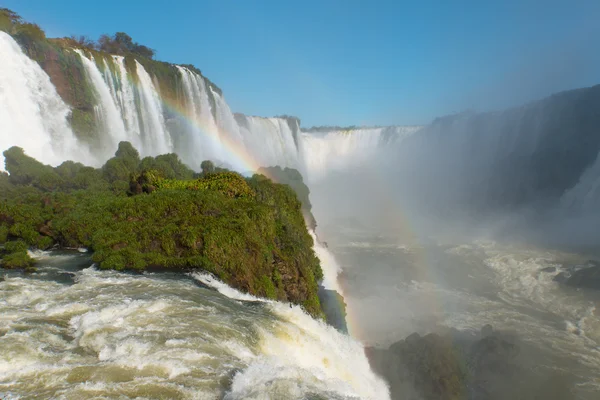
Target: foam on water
<point>108,334</point>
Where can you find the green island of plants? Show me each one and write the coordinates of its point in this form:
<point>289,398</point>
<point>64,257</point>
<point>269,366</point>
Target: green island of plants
<point>138,214</point>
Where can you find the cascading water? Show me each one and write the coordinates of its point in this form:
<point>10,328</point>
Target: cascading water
<point>271,139</point>
<point>156,139</point>
<point>201,137</point>
<point>32,114</point>
<point>112,84</point>
<point>229,130</point>
<point>108,111</point>
<point>328,150</point>
<point>126,99</point>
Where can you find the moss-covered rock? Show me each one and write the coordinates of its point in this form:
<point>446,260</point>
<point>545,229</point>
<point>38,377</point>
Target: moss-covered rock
<point>14,256</point>
<point>249,232</point>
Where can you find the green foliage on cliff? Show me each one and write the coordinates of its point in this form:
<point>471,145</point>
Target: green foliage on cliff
<point>293,178</point>
<point>121,43</point>
<point>13,24</point>
<point>249,232</point>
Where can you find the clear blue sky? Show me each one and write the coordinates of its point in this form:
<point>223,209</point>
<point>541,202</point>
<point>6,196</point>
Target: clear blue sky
<point>336,62</point>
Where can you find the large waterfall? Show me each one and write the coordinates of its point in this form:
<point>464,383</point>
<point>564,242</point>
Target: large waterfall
<point>32,115</point>
<point>199,125</point>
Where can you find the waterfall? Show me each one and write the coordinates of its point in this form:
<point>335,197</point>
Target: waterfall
<point>327,150</point>
<point>106,108</point>
<point>229,132</point>
<point>110,80</point>
<point>271,140</point>
<point>126,100</point>
<point>32,114</point>
<point>201,137</point>
<point>585,196</point>
<point>156,139</point>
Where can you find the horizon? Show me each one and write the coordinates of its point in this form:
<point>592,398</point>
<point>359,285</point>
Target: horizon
<point>504,56</point>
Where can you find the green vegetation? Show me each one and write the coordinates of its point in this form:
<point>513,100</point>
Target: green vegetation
<point>293,178</point>
<point>156,213</point>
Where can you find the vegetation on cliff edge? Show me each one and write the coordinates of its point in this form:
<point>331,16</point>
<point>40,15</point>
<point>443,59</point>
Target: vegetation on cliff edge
<point>136,214</point>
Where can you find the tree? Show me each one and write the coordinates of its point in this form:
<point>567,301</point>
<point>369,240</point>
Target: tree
<point>124,40</point>
<point>207,167</point>
<point>83,41</point>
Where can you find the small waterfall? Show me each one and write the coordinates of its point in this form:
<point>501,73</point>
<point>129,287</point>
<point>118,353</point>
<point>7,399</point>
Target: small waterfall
<point>126,99</point>
<point>32,114</point>
<point>201,137</point>
<point>107,110</point>
<point>112,85</point>
<point>156,139</point>
<point>229,132</point>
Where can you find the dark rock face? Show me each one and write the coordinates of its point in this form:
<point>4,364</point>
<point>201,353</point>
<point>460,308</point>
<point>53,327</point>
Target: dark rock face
<point>334,307</point>
<point>425,367</point>
<point>488,366</point>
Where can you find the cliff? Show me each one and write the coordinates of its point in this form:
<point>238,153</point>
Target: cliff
<point>64,66</point>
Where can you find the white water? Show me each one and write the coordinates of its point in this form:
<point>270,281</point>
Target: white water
<point>298,346</point>
<point>32,114</point>
<point>71,333</point>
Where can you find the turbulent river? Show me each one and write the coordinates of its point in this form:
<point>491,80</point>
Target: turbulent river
<point>70,331</point>
<point>396,287</point>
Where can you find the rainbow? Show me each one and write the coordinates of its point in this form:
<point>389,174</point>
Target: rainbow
<point>243,160</point>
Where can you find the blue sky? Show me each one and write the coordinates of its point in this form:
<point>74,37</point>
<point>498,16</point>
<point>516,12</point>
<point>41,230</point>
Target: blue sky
<point>335,62</point>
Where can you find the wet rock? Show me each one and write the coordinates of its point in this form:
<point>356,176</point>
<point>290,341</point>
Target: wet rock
<point>588,278</point>
<point>487,330</point>
<point>562,277</point>
<point>425,367</point>
<point>334,307</point>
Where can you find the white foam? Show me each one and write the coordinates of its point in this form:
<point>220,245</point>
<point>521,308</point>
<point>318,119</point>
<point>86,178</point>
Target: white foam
<point>316,354</point>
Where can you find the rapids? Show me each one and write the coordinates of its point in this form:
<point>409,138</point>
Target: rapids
<point>71,331</point>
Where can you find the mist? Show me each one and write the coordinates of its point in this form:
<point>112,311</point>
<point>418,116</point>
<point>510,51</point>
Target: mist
<point>473,219</point>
